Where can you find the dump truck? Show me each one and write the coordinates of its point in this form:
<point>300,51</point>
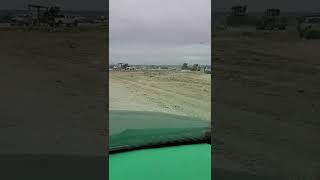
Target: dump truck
<point>271,20</point>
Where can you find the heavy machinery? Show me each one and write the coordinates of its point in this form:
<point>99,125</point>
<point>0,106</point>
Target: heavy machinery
<point>271,20</point>
<point>38,14</point>
<point>239,11</point>
<point>57,18</point>
<point>239,16</point>
<point>207,70</point>
<point>68,20</point>
<point>52,14</point>
<point>196,67</point>
<point>309,27</point>
<point>121,66</point>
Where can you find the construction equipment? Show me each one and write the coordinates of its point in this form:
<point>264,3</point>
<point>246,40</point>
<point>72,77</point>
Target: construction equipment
<point>121,66</point>
<point>239,11</point>
<point>196,67</point>
<point>239,16</point>
<point>309,27</point>
<point>184,66</point>
<point>272,20</point>
<point>68,20</point>
<point>207,70</point>
<point>38,14</point>
<point>53,12</point>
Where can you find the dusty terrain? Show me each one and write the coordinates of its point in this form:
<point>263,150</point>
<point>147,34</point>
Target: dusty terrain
<point>266,105</point>
<point>174,92</point>
<point>52,92</point>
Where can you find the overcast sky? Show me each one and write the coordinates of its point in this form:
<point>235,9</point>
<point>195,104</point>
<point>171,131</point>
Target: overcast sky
<point>254,5</point>
<point>95,5</point>
<point>160,32</point>
<point>261,5</point>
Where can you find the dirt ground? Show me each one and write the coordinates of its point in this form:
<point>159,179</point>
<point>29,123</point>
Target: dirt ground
<point>52,92</point>
<point>266,105</point>
<point>174,92</point>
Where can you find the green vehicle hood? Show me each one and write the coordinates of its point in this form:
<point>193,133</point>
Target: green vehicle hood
<point>171,162</point>
<point>187,162</point>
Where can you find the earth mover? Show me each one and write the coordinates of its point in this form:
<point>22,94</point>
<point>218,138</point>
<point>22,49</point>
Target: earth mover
<point>272,20</point>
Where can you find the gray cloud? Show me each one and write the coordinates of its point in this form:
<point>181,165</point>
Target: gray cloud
<point>95,5</point>
<point>160,32</point>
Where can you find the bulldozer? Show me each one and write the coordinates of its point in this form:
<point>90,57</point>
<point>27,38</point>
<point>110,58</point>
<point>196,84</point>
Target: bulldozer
<point>271,20</point>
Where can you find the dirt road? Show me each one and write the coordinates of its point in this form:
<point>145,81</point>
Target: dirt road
<point>182,93</point>
<point>267,102</point>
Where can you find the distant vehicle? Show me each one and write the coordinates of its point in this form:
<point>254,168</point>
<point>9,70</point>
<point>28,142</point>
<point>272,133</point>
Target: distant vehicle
<point>68,20</point>
<point>272,20</point>
<point>101,19</point>
<point>309,27</point>
<point>121,66</point>
<point>207,70</point>
<point>196,67</point>
<point>130,68</point>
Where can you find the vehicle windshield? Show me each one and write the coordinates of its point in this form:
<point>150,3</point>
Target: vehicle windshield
<point>159,74</point>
